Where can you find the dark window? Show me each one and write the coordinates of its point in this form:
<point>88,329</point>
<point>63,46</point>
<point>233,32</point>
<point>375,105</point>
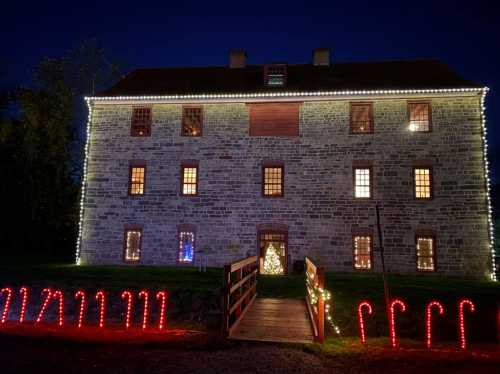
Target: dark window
<point>361,118</point>
<point>426,252</point>
<point>132,245</point>
<point>137,176</point>
<point>423,182</point>
<point>141,122</point>
<point>192,121</point>
<point>189,180</point>
<point>275,75</point>
<point>420,117</point>
<point>362,250</point>
<point>273,180</point>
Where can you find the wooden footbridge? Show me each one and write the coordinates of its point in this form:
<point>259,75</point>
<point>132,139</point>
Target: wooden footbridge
<point>248,317</point>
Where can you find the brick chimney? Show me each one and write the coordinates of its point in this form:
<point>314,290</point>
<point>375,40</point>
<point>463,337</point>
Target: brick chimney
<point>321,57</point>
<point>237,58</point>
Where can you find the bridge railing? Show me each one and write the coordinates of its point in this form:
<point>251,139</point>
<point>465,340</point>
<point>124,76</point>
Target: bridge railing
<point>315,284</point>
<point>239,291</point>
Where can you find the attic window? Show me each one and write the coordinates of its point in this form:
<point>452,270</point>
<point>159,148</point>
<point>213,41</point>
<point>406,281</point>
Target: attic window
<point>275,75</point>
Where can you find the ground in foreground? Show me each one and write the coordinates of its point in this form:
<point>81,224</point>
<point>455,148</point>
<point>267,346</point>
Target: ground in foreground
<point>21,354</point>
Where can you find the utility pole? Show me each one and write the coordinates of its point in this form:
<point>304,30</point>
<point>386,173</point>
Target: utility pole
<point>382,258</point>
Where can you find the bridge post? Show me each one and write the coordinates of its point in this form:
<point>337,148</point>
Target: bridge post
<point>225,299</point>
<point>321,306</point>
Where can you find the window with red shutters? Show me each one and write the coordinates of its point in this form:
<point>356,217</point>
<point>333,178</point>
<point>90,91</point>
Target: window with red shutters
<point>141,122</point>
<point>274,119</point>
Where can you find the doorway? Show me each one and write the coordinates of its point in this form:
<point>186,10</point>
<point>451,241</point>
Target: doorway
<point>273,252</point>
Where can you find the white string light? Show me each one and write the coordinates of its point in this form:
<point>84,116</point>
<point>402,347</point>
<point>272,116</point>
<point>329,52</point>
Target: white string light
<point>84,183</point>
<point>484,137</point>
<point>315,293</point>
<point>258,95</point>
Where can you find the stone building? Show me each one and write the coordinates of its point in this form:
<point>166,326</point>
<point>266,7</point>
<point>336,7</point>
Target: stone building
<point>219,163</point>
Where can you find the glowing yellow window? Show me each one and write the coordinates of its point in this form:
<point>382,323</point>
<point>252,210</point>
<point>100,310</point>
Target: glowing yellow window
<point>363,252</point>
<point>273,181</point>
<point>189,180</point>
<point>423,183</point>
<point>425,253</point>
<point>362,183</point>
<point>132,244</point>
<point>137,177</point>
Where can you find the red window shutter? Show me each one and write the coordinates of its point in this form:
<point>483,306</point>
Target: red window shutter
<point>274,119</point>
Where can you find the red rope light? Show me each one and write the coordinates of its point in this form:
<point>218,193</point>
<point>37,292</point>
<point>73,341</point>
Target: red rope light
<point>128,295</point>
<point>24,291</point>
<point>80,294</point>
<point>369,309</point>
<point>58,294</point>
<point>461,306</point>
<point>101,298</point>
<point>163,306</point>
<point>8,300</point>
<point>145,295</point>
<point>428,320</point>
<point>48,291</point>
<point>392,325</point>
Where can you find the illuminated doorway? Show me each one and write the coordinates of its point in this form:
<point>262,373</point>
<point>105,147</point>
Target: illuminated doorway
<point>273,252</point>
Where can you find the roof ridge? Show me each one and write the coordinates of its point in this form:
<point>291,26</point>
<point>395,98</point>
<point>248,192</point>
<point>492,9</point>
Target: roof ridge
<point>381,61</point>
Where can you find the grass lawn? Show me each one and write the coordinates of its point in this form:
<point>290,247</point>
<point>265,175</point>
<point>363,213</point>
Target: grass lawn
<point>189,289</point>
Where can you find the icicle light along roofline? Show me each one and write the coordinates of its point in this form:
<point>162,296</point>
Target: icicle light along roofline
<point>257,95</point>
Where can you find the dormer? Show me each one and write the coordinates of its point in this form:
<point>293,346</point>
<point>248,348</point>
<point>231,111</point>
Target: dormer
<point>275,75</point>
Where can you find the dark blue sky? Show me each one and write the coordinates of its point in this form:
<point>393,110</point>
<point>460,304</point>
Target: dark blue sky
<point>464,34</point>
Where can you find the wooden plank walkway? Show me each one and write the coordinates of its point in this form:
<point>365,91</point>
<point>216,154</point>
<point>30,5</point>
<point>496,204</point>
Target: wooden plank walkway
<point>275,320</point>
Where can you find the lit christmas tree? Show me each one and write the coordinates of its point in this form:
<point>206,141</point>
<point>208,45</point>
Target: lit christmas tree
<point>272,263</point>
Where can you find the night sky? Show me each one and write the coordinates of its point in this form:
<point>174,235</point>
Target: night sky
<point>464,34</point>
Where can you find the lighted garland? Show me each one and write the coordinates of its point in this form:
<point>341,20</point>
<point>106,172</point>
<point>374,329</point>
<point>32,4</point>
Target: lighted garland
<point>314,294</point>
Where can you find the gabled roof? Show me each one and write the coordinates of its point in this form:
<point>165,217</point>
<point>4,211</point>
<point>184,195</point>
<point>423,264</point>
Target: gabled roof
<point>414,74</point>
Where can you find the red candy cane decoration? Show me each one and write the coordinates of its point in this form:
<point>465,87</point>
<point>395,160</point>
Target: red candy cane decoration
<point>428,319</point>
<point>130,297</point>
<point>8,300</point>
<point>163,296</point>
<point>81,294</point>
<point>24,291</point>
<point>59,295</point>
<point>392,324</point>
<point>461,306</point>
<point>48,291</point>
<point>145,295</point>
<point>101,298</point>
<point>369,309</point>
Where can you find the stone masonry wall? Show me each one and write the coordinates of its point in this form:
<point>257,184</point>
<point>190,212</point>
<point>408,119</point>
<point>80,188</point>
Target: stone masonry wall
<point>318,206</point>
